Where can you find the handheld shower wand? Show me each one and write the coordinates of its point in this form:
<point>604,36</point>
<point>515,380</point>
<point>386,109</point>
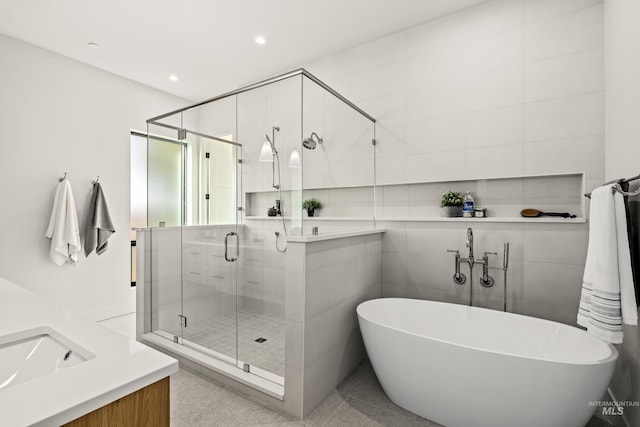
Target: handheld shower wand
<point>274,153</point>
<point>276,159</point>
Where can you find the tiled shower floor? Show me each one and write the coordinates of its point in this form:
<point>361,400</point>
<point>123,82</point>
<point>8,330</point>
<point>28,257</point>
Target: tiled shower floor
<point>219,334</point>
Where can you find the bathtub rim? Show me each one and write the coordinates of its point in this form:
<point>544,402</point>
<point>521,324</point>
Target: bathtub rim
<point>611,358</point>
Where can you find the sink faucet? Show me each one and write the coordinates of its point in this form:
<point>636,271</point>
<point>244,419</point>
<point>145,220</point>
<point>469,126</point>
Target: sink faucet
<point>470,258</point>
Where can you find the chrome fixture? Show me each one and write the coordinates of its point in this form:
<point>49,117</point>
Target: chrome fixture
<point>458,278</point>
<point>470,258</point>
<point>504,268</point>
<point>312,141</point>
<point>226,247</point>
<point>486,280</point>
<point>270,154</point>
<point>618,188</point>
<point>505,265</point>
<point>300,71</point>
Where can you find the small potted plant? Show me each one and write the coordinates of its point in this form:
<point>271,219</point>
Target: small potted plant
<point>451,204</point>
<point>310,205</point>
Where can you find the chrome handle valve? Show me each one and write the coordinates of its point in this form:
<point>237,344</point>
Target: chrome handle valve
<point>458,278</point>
<point>486,280</point>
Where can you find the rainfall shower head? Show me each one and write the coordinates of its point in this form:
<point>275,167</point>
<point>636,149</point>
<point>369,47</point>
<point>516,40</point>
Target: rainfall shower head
<point>312,141</point>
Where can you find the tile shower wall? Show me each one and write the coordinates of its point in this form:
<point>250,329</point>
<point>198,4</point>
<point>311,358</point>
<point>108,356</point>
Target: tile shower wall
<point>506,88</point>
<point>326,280</point>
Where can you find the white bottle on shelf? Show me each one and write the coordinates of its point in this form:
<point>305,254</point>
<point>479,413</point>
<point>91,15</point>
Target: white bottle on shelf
<point>467,205</point>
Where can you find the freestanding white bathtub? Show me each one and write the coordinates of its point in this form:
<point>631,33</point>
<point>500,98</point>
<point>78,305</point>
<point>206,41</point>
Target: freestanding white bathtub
<point>465,366</point>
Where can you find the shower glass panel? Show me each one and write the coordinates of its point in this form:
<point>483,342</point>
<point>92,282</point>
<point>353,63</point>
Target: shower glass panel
<point>340,172</point>
<point>164,195</point>
<point>239,173</point>
<point>270,114</point>
<point>164,182</point>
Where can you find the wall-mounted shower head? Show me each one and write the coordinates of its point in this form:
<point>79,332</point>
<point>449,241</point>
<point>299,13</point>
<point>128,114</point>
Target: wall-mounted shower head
<point>311,142</point>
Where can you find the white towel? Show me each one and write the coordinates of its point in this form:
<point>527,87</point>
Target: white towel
<point>608,297</point>
<point>63,227</point>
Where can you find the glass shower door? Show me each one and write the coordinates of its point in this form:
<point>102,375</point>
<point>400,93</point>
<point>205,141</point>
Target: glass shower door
<point>209,249</point>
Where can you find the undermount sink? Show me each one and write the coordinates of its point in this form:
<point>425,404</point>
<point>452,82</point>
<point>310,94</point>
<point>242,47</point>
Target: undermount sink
<point>30,354</point>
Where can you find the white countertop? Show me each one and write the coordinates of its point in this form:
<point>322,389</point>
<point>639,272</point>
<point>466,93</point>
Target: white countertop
<point>120,366</point>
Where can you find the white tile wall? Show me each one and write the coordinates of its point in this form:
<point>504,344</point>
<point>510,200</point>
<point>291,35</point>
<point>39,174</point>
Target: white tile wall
<point>504,73</point>
<point>584,153</point>
<point>506,88</point>
<point>566,75</point>
<point>564,33</point>
<point>567,117</point>
<point>339,274</point>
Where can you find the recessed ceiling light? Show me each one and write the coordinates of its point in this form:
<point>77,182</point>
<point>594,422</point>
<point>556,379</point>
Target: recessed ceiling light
<point>94,45</point>
<point>173,78</point>
<point>261,40</point>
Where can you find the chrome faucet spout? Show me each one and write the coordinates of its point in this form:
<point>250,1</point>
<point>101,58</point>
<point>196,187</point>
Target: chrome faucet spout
<point>470,258</point>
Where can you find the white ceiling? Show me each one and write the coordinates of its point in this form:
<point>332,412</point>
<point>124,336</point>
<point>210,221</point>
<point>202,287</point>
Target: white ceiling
<point>208,44</point>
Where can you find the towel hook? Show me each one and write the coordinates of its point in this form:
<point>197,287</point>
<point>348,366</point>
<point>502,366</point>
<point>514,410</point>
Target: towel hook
<point>96,181</point>
<point>63,177</point>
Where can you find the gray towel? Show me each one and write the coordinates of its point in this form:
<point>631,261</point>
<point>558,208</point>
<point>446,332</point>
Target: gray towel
<point>99,226</point>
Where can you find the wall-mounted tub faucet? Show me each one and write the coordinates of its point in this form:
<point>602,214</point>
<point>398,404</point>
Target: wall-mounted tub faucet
<point>486,280</point>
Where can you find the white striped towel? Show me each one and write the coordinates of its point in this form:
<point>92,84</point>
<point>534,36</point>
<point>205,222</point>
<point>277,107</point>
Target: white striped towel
<point>608,297</point>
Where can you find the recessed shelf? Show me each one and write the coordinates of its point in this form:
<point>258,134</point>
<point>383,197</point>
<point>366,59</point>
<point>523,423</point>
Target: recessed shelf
<point>503,196</point>
<point>552,220</point>
<point>313,218</point>
<point>543,220</point>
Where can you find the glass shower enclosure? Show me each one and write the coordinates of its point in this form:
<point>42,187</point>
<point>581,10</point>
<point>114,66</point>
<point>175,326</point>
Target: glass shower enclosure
<point>226,180</point>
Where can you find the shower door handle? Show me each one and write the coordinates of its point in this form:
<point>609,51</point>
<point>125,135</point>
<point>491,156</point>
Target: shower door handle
<point>226,247</point>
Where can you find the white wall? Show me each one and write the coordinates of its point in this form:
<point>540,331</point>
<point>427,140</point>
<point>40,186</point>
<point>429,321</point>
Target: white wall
<point>509,87</point>
<point>57,116</point>
<point>506,88</point>
<point>622,77</point>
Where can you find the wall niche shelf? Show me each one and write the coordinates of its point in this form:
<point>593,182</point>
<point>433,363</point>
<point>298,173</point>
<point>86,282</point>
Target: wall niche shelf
<point>541,220</point>
<point>504,198</point>
<point>313,218</point>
